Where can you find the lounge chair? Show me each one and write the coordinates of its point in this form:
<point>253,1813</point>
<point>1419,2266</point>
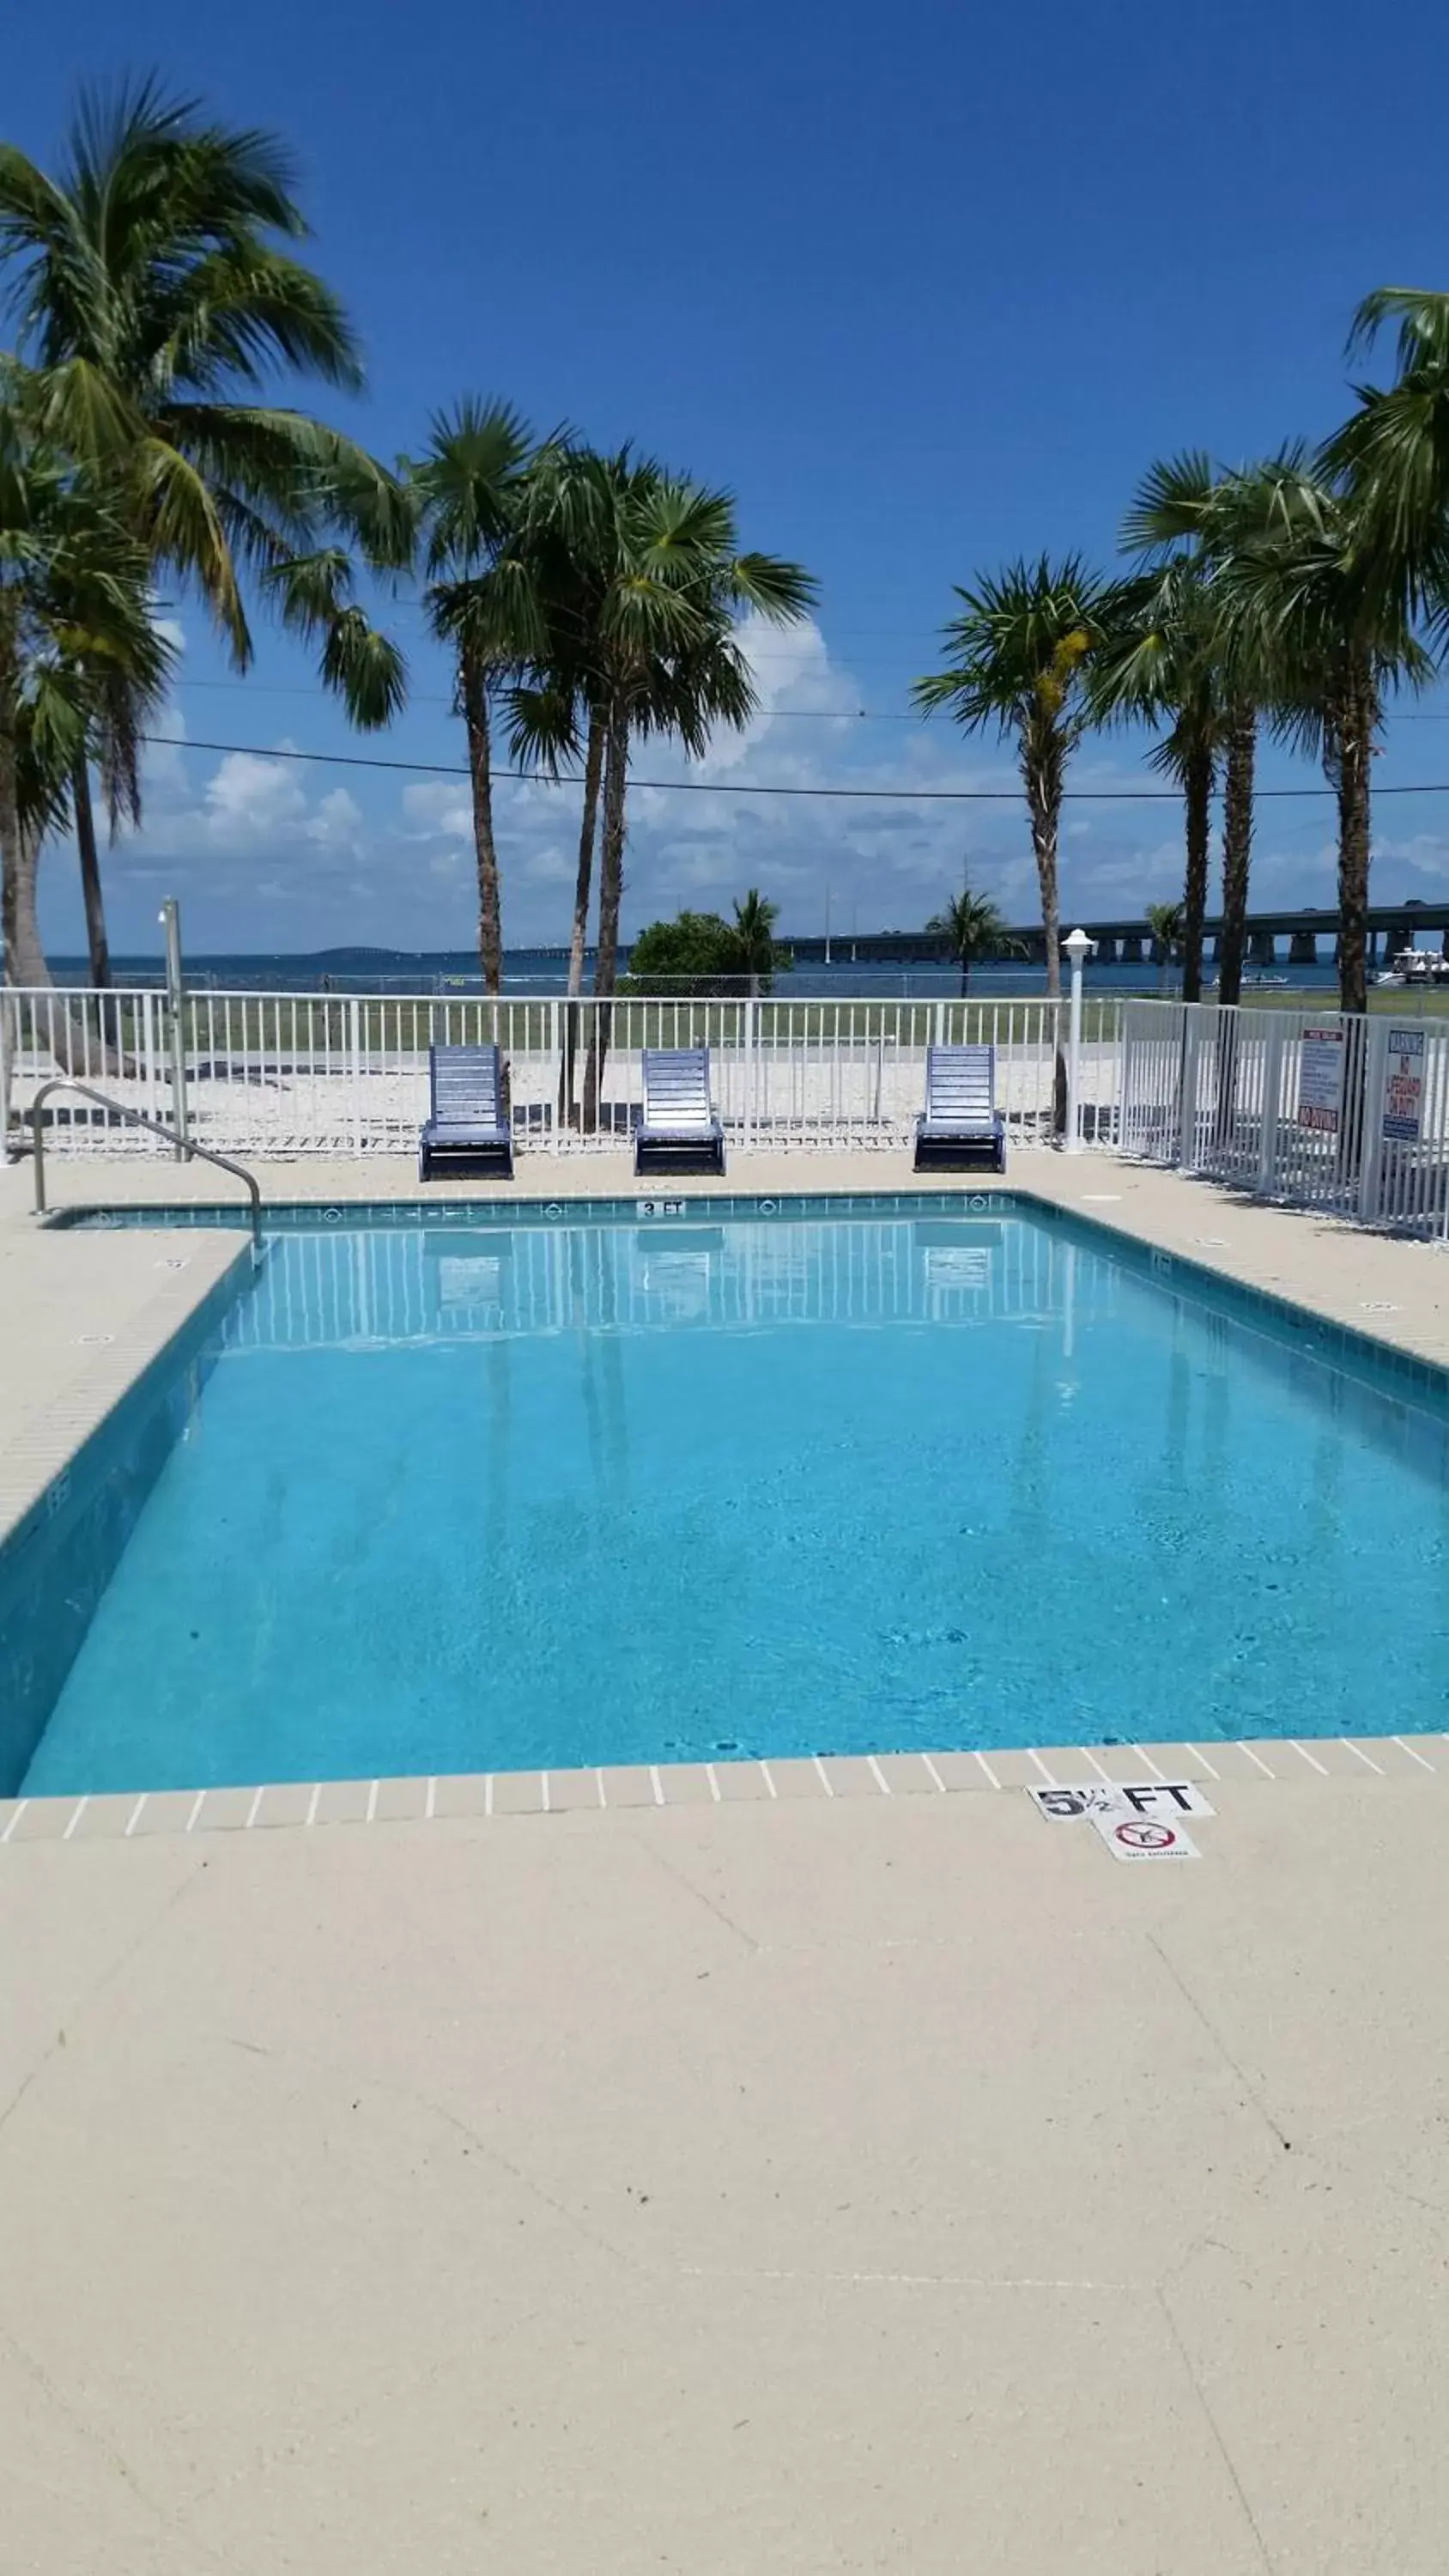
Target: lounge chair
<point>467,1118</point>
<point>678,1130</point>
<point>961,1123</point>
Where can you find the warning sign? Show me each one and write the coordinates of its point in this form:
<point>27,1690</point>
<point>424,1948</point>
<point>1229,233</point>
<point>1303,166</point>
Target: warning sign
<point>1143,1838</point>
<point>1154,1798</point>
<point>1404,1086</point>
<point>1320,1080</point>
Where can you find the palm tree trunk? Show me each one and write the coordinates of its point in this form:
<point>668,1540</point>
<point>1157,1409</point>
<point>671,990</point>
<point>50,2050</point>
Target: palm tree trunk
<point>1043,763</point>
<point>10,858</point>
<point>583,888</point>
<point>480,768</point>
<point>97,945</point>
<point>1237,845</point>
<point>1358,727</point>
<point>25,964</point>
<point>1044,800</point>
<point>1197,795</point>
<point>611,894</point>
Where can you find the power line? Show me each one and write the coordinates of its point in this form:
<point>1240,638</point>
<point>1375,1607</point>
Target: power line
<point>739,787</point>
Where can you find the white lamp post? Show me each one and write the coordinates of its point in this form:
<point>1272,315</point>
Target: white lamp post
<point>1078,947</point>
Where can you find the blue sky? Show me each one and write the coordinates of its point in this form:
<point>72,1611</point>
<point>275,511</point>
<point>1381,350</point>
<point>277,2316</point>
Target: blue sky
<point>924,286</point>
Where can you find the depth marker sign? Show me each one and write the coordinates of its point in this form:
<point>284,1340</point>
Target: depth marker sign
<point>1161,1800</point>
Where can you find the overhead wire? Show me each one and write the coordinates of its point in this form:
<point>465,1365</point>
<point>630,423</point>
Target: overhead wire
<point>743,787</point>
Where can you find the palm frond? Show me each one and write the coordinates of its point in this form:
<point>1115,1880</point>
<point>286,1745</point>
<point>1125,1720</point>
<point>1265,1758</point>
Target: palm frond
<point>366,669</point>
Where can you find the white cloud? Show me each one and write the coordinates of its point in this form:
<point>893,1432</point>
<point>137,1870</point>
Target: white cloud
<point>250,799</point>
<point>337,823</point>
<point>435,807</point>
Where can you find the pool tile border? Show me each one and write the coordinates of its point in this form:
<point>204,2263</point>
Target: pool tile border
<point>301,1806</point>
<point>37,1462</point>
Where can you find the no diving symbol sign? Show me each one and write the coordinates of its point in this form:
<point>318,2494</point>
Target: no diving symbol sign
<point>1137,1838</point>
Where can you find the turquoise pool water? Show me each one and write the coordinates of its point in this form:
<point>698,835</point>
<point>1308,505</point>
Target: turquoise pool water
<point>487,1495</point>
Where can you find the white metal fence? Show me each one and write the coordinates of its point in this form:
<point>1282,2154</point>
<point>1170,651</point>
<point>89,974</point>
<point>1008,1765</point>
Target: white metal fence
<point>297,1073</point>
<point>1318,1108</point>
<point>1348,1115</point>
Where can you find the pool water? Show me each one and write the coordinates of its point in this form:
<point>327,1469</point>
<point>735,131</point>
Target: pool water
<point>475,1497</point>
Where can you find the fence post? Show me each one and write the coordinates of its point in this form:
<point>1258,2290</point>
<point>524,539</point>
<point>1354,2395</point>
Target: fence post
<point>1371,1140</point>
<point>1076,946</point>
<point>1271,1119</point>
<point>170,917</point>
<point>752,1041</point>
<point>354,1071</point>
<point>9,1050</point>
<point>1187,1097</point>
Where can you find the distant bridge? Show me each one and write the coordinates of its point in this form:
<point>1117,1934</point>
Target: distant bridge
<point>1127,939</point>
<point>1122,939</point>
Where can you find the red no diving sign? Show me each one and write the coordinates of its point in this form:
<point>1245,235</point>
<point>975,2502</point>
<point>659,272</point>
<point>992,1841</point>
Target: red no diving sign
<point>1139,1838</point>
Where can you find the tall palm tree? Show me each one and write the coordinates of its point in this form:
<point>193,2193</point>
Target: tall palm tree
<point>647,612</point>
<point>1159,663</point>
<point>482,600</point>
<point>1310,583</point>
<point>1018,653</point>
<point>74,608</point>
<point>122,696</point>
<point>154,296</point>
<point>972,928</point>
<point>1185,503</point>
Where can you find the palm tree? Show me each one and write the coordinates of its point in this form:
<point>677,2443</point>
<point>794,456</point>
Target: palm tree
<point>972,928</point>
<point>1186,503</point>
<point>154,297</point>
<point>1018,655</point>
<point>1160,664</point>
<point>1388,469</point>
<point>1311,584</point>
<point>1166,923</point>
<point>481,600</point>
<point>122,695</point>
<point>649,614</point>
<point>75,615</point>
<point>753,939</point>
<point>556,710</point>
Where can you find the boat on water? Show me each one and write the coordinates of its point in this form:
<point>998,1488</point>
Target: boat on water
<point>1415,966</point>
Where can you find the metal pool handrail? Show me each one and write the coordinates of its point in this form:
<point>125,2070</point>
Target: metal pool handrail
<point>153,1126</point>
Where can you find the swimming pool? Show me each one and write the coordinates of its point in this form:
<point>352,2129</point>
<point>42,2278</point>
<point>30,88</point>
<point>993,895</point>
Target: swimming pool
<point>533,1488</point>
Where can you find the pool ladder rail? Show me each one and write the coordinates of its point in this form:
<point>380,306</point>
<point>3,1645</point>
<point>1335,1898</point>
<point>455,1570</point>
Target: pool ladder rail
<point>186,1146</point>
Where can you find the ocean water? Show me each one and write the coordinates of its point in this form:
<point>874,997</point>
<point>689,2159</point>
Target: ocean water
<point>485,1496</point>
<point>544,971</point>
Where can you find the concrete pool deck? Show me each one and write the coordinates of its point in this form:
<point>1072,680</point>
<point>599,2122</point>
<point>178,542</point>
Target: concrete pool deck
<point>796,2182</point>
<point>794,2186</point>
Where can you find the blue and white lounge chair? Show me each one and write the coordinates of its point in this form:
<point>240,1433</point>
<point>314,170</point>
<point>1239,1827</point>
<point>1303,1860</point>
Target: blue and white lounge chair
<point>678,1130</point>
<point>467,1118</point>
<point>961,1123</point>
